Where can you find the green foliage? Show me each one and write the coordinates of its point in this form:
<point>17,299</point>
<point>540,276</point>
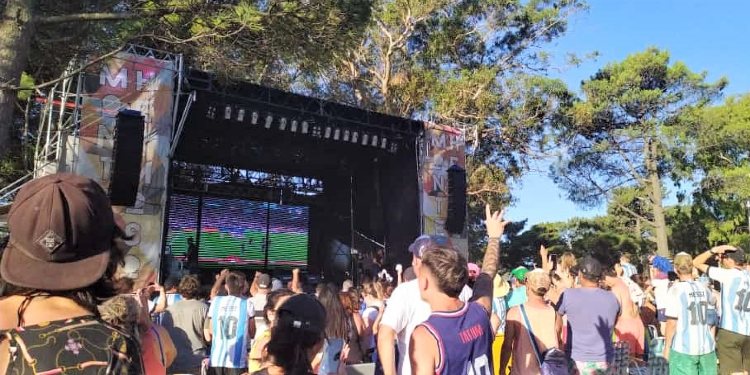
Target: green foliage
<point>627,133</point>
<point>26,81</point>
<point>578,236</point>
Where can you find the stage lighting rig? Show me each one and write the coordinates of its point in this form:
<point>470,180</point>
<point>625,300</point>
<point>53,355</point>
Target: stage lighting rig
<point>294,126</point>
<point>282,124</point>
<point>269,121</point>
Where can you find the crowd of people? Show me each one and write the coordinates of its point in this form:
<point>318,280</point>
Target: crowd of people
<point>65,308</point>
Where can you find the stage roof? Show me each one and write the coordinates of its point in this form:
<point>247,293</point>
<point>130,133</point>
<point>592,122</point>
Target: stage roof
<point>245,125</point>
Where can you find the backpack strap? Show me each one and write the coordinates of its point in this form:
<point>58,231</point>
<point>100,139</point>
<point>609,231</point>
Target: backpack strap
<point>158,341</point>
<point>527,324</point>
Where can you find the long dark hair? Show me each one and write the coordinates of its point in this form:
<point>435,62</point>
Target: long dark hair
<point>337,318</point>
<point>289,346</point>
<point>88,297</point>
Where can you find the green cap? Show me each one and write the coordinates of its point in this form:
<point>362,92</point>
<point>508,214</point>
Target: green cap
<point>520,273</point>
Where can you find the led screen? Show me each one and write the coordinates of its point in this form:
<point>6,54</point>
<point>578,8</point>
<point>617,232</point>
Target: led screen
<point>239,232</point>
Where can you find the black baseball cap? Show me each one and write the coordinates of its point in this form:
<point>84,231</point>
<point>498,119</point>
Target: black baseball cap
<point>591,268</point>
<point>306,311</point>
<point>61,231</point>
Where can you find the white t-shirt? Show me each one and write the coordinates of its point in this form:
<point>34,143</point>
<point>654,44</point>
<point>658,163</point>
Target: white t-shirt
<point>661,288</point>
<point>406,310</point>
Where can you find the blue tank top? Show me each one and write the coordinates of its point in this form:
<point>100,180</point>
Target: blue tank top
<point>464,339</point>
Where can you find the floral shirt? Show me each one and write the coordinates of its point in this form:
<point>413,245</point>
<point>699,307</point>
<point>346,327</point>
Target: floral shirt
<point>83,346</point>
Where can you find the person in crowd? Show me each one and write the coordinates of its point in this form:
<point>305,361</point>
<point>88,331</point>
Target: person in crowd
<point>561,273</point>
<point>405,310</point>
<point>518,293</point>
<point>457,337</point>
<point>409,274</point>
<point>629,328</point>
<point>337,331</point>
<point>636,293</point>
<point>733,336</point>
<point>168,296</point>
<point>230,326</point>
<point>184,321</point>
<point>297,334</point>
<point>258,354</point>
<point>132,315</point>
<point>347,285</point>
<point>474,272</point>
<point>545,323</point>
<point>500,289</point>
<point>689,343</point>
<point>659,274</point>
<point>628,270</point>
<point>648,308</point>
<point>350,301</point>
<point>59,263</point>
<point>591,314</point>
<point>373,294</point>
<point>263,282</point>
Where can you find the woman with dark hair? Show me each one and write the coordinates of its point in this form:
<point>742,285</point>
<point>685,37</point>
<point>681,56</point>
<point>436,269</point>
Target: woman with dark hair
<point>296,336</point>
<point>258,352</point>
<point>337,331</point>
<point>63,251</point>
<point>350,301</point>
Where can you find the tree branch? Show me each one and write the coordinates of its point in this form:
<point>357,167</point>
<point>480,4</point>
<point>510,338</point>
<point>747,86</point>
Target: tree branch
<point>6,86</point>
<point>87,17</point>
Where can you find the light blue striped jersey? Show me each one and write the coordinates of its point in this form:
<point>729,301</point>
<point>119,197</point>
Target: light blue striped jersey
<point>230,318</point>
<point>735,299</point>
<point>500,308</point>
<point>689,303</point>
<point>172,298</point>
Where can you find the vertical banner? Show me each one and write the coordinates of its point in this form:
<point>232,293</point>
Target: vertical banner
<point>145,84</point>
<point>443,148</point>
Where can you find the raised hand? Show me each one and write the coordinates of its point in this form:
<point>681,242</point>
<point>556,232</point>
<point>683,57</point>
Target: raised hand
<point>721,249</point>
<point>494,222</point>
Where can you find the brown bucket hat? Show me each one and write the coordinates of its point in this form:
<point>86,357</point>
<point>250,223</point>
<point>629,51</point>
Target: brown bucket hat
<point>61,229</point>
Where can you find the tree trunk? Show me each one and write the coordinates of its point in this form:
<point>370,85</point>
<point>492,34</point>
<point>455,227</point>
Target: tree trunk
<point>16,29</point>
<point>660,222</point>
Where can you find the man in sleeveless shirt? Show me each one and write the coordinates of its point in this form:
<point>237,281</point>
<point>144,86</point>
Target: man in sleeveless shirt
<point>457,337</point>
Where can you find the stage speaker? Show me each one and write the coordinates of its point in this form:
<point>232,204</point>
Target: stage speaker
<point>127,151</point>
<point>454,223</point>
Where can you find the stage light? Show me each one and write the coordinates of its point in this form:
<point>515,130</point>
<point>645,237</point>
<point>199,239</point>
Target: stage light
<point>211,112</point>
<point>383,142</point>
<point>365,139</point>
<point>328,132</point>
<point>269,121</point>
<point>336,134</point>
<point>305,126</point>
<point>355,137</point>
<point>394,147</point>
<point>227,112</point>
<point>241,115</point>
<point>254,118</point>
<point>374,141</point>
<point>317,131</point>
<point>282,124</point>
<point>346,135</point>
<point>294,126</point>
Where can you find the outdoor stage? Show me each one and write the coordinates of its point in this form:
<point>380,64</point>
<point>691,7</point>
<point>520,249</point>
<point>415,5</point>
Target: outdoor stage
<point>255,178</point>
<point>268,179</point>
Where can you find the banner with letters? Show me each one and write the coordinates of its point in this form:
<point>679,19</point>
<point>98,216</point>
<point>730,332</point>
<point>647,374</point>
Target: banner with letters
<point>140,83</point>
<point>443,147</point>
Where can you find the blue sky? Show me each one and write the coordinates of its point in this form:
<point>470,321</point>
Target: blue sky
<point>708,36</point>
